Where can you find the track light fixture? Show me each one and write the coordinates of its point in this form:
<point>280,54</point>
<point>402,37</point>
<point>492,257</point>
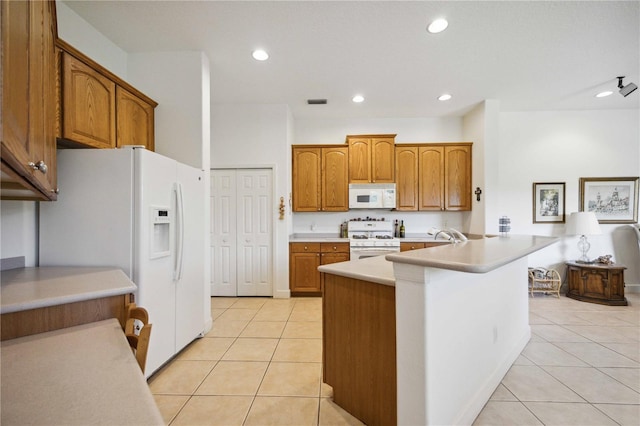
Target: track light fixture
<point>626,90</point>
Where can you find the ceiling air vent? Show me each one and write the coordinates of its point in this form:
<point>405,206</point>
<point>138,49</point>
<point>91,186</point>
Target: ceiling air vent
<point>317,101</point>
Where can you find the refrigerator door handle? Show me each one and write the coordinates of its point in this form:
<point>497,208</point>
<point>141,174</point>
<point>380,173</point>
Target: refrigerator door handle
<point>177,271</point>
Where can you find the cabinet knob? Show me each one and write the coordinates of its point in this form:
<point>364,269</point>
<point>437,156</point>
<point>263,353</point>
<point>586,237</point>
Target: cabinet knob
<point>335,248</point>
<point>306,248</point>
<point>40,165</point>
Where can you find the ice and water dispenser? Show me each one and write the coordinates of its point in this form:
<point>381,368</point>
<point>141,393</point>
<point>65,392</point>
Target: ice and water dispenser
<point>161,235</point>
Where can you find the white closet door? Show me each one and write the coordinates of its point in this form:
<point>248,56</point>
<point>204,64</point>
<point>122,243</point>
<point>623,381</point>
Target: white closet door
<point>223,233</point>
<point>242,237</point>
<point>254,233</point>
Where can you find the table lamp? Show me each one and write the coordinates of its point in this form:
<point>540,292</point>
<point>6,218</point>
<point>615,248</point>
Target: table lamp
<point>583,224</point>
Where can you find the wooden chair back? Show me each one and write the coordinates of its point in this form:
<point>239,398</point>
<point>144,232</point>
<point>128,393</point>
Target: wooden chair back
<point>138,332</point>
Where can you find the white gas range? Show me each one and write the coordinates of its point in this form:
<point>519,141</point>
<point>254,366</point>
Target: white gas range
<point>368,238</point>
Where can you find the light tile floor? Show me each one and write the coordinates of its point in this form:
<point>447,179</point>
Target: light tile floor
<point>261,364</point>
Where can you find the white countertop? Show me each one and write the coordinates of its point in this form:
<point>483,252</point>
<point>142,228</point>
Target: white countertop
<point>83,375</point>
<point>317,237</point>
<point>373,269</point>
<point>475,256</point>
<point>30,288</point>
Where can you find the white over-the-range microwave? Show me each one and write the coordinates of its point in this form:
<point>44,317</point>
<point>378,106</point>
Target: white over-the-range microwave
<point>372,196</point>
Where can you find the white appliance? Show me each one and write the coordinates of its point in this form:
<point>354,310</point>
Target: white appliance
<point>369,238</point>
<point>372,196</point>
<point>141,212</point>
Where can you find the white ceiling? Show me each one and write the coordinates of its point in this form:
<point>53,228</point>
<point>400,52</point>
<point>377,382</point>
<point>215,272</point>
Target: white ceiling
<point>529,55</point>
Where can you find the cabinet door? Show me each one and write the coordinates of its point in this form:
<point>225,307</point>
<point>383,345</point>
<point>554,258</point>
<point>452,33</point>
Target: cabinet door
<point>306,179</point>
<point>88,105</point>
<point>359,160</point>
<point>304,275</point>
<point>382,160</point>
<point>406,178</point>
<point>335,185</point>
<point>431,183</point>
<point>135,120</point>
<point>457,177</point>
<point>333,253</point>
<point>28,100</point>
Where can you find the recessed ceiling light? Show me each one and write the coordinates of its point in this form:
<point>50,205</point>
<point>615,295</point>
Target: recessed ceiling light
<point>260,55</point>
<point>358,98</point>
<point>444,97</point>
<point>438,25</point>
<point>604,94</point>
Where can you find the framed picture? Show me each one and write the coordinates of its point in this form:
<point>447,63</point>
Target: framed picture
<point>613,200</point>
<point>548,202</point>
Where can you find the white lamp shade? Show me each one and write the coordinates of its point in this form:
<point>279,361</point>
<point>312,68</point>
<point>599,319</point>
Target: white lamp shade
<point>583,223</point>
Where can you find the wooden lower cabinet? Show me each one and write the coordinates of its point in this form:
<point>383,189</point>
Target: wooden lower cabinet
<point>40,320</point>
<point>304,259</point>
<point>406,246</point>
<point>359,348</point>
<point>596,283</point>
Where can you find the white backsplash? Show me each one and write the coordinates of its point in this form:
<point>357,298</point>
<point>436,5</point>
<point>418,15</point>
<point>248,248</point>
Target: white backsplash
<point>414,222</point>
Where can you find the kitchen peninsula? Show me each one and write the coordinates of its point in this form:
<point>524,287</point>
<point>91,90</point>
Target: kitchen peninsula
<point>442,324</point>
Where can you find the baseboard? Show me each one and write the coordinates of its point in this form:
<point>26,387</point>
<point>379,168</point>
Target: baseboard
<point>476,404</point>
<point>631,288</point>
<point>282,294</point>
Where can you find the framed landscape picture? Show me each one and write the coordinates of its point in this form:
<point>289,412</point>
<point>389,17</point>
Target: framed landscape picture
<point>548,202</point>
<point>613,200</point>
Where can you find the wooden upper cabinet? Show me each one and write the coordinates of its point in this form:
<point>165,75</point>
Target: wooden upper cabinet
<point>383,160</point>
<point>28,145</point>
<point>306,179</point>
<point>371,158</point>
<point>445,177</point>
<point>97,109</point>
<point>457,182</point>
<point>335,179</point>
<point>88,105</point>
<point>431,185</point>
<point>406,178</point>
<point>135,118</point>
<point>320,178</point>
<point>359,160</point>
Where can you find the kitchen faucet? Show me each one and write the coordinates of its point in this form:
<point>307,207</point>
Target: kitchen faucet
<point>454,235</point>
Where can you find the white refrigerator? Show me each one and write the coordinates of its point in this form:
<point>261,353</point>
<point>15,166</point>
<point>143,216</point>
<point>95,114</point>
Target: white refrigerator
<point>141,212</point>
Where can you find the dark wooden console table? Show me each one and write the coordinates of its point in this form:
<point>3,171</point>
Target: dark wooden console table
<point>596,283</point>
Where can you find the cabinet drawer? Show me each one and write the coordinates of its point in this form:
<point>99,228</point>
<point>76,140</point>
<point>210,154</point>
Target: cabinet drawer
<point>334,247</point>
<point>411,246</point>
<point>304,247</point>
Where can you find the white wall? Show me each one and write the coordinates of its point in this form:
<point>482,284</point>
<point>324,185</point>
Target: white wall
<point>175,80</point>
<point>562,146</point>
<point>80,34</point>
<point>408,130</point>
<point>18,225</point>
<point>252,136</point>
<point>481,125</point>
